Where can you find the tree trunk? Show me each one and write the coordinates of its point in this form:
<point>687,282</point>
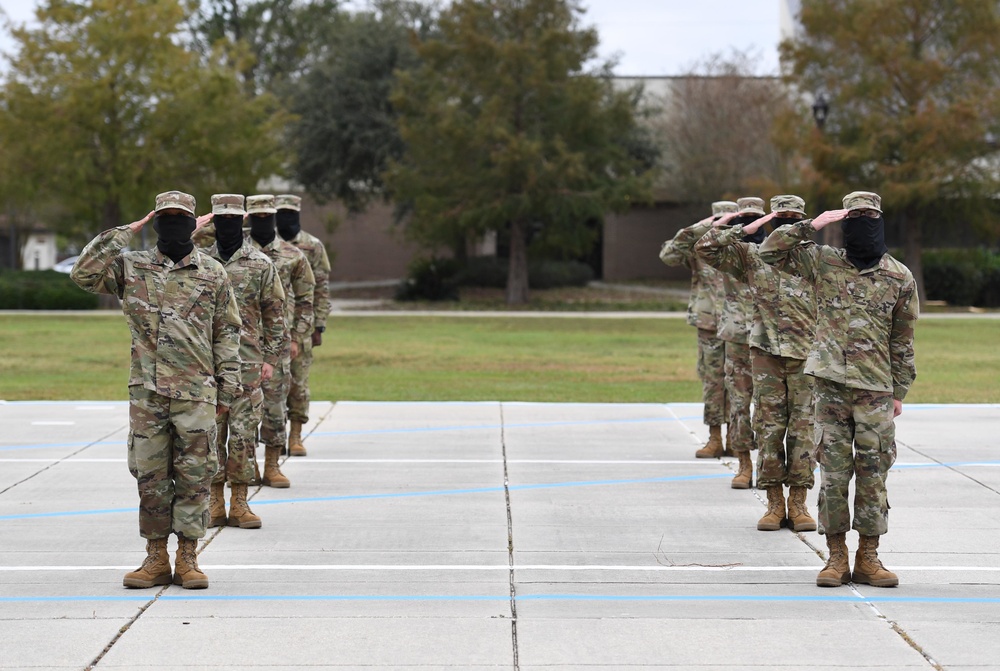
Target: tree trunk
<point>517,275</point>
<point>913,245</point>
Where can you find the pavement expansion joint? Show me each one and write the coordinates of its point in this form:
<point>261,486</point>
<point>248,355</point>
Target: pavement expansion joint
<point>510,543</point>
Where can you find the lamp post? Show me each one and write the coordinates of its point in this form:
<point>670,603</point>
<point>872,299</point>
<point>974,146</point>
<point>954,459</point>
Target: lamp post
<point>832,235</point>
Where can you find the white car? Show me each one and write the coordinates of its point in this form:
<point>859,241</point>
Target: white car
<point>66,265</point>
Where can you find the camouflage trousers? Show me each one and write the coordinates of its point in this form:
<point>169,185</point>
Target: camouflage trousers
<point>237,442</point>
<point>782,421</point>
<point>855,437</point>
<point>272,426</point>
<point>712,373</point>
<point>298,393</point>
<point>739,390</point>
<point>172,458</point>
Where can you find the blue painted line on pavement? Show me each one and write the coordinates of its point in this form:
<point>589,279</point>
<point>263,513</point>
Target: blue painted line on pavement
<point>758,598</point>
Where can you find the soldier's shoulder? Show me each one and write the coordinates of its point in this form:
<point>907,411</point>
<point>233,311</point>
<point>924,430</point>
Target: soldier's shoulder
<point>895,269</point>
<point>290,251</point>
<point>208,265</point>
<point>309,239</point>
<point>254,258</point>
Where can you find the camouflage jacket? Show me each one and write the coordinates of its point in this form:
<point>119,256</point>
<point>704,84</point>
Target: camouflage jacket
<point>183,317</point>
<point>297,281</point>
<point>784,310</point>
<point>261,300</point>
<point>706,297</point>
<point>315,253</point>
<point>736,308</point>
<point>865,318</point>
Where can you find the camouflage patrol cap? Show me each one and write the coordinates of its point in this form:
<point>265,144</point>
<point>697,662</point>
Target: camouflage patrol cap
<point>788,203</point>
<point>287,201</point>
<point>262,203</point>
<point>228,203</point>
<point>179,200</point>
<point>751,205</point>
<point>863,200</point>
<point>721,207</point>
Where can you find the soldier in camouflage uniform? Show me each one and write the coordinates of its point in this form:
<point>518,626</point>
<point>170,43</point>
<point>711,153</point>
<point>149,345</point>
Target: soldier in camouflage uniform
<point>290,229</point>
<point>704,306</point>
<point>862,359</point>
<point>185,368</point>
<point>734,327</point>
<point>263,343</point>
<point>299,285</point>
<point>781,334</point>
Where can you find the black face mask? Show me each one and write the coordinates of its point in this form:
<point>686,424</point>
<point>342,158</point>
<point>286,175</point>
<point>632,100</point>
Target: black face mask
<point>864,241</point>
<point>173,232</point>
<point>228,234</point>
<point>262,229</point>
<point>758,236</point>
<point>288,224</point>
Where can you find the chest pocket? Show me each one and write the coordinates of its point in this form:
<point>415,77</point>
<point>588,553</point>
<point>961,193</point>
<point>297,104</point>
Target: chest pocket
<point>142,292</point>
<point>200,286</point>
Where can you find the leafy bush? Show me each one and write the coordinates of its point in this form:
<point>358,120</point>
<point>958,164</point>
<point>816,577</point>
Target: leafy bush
<point>962,276</point>
<point>484,271</point>
<point>42,290</point>
<point>430,279</point>
<point>489,271</point>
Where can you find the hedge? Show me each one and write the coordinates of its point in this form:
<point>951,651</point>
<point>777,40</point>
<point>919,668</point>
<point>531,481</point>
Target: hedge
<point>42,290</point>
<point>962,276</point>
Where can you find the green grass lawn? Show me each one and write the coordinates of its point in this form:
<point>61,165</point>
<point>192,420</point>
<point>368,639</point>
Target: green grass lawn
<point>526,359</point>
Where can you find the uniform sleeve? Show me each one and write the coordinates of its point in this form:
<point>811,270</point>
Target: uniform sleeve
<point>321,295</point>
<point>724,250</point>
<point>101,267</point>
<point>787,249</point>
<point>272,315</point>
<point>680,250</point>
<point>303,286</point>
<point>204,237</point>
<point>901,359</point>
<point>226,325</point>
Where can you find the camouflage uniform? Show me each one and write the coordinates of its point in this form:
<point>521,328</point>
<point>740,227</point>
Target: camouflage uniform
<point>263,339</point>
<point>862,357</point>
<point>781,334</point>
<point>185,359</point>
<point>703,308</point>
<point>315,252</point>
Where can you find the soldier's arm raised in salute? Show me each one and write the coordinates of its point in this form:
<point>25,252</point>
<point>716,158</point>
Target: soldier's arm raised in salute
<point>680,249</point>
<point>784,248</point>
<point>724,249</point>
<point>100,268</point>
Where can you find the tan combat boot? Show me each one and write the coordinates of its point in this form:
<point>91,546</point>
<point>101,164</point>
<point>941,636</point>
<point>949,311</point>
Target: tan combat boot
<point>186,571</point>
<point>868,569</point>
<point>217,505</point>
<point>273,477</point>
<point>240,514</point>
<point>744,477</point>
<point>155,569</point>
<point>295,446</point>
<point>837,571</point>
<point>775,515</point>
<point>798,512</point>
<point>713,448</point>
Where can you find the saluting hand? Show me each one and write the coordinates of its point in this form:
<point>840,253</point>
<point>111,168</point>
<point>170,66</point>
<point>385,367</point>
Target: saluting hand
<point>725,219</point>
<point>828,217</point>
<point>136,226</point>
<point>202,220</point>
<point>754,225</point>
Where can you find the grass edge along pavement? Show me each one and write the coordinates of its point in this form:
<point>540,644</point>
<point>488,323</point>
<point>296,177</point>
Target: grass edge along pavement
<point>412,358</point>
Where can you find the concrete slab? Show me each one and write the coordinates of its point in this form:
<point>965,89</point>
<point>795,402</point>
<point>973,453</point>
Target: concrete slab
<point>409,525</point>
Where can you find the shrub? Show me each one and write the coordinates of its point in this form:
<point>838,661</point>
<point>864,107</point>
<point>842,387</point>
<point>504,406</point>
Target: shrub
<point>430,279</point>
<point>960,276</point>
<point>42,290</point>
<point>484,271</point>
<point>490,271</point>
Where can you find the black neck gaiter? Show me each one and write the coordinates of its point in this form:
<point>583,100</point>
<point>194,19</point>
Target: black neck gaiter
<point>288,224</point>
<point>756,237</point>
<point>262,229</point>
<point>173,233</point>
<point>228,234</point>
<point>864,241</point>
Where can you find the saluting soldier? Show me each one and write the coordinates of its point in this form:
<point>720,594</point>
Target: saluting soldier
<point>704,305</point>
<point>263,343</point>
<point>781,333</point>
<point>290,229</point>
<point>185,369</point>
<point>863,362</point>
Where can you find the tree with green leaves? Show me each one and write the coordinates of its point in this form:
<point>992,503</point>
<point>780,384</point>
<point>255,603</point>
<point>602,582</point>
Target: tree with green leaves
<point>914,104</point>
<point>102,108</point>
<point>505,130</point>
<point>345,130</point>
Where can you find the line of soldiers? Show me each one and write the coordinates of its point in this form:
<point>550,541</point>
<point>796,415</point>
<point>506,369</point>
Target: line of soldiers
<point>222,339</point>
<point>819,340</point>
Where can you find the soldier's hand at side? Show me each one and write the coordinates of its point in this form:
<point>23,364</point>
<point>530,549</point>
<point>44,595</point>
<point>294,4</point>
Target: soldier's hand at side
<point>266,372</point>
<point>317,339</point>
<point>754,225</point>
<point>136,226</point>
<point>828,217</point>
<point>202,220</point>
<point>295,349</point>
<point>219,409</point>
<point>725,219</point>
<point>897,407</point>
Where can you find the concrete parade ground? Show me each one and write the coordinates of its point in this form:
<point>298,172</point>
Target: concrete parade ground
<point>495,535</point>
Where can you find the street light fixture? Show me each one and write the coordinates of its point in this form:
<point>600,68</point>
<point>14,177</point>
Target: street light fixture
<point>821,108</point>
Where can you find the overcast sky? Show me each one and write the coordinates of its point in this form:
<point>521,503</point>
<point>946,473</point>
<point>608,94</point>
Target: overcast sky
<point>648,37</point>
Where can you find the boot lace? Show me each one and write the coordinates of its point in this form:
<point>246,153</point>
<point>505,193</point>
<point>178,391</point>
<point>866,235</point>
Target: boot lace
<point>190,556</point>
